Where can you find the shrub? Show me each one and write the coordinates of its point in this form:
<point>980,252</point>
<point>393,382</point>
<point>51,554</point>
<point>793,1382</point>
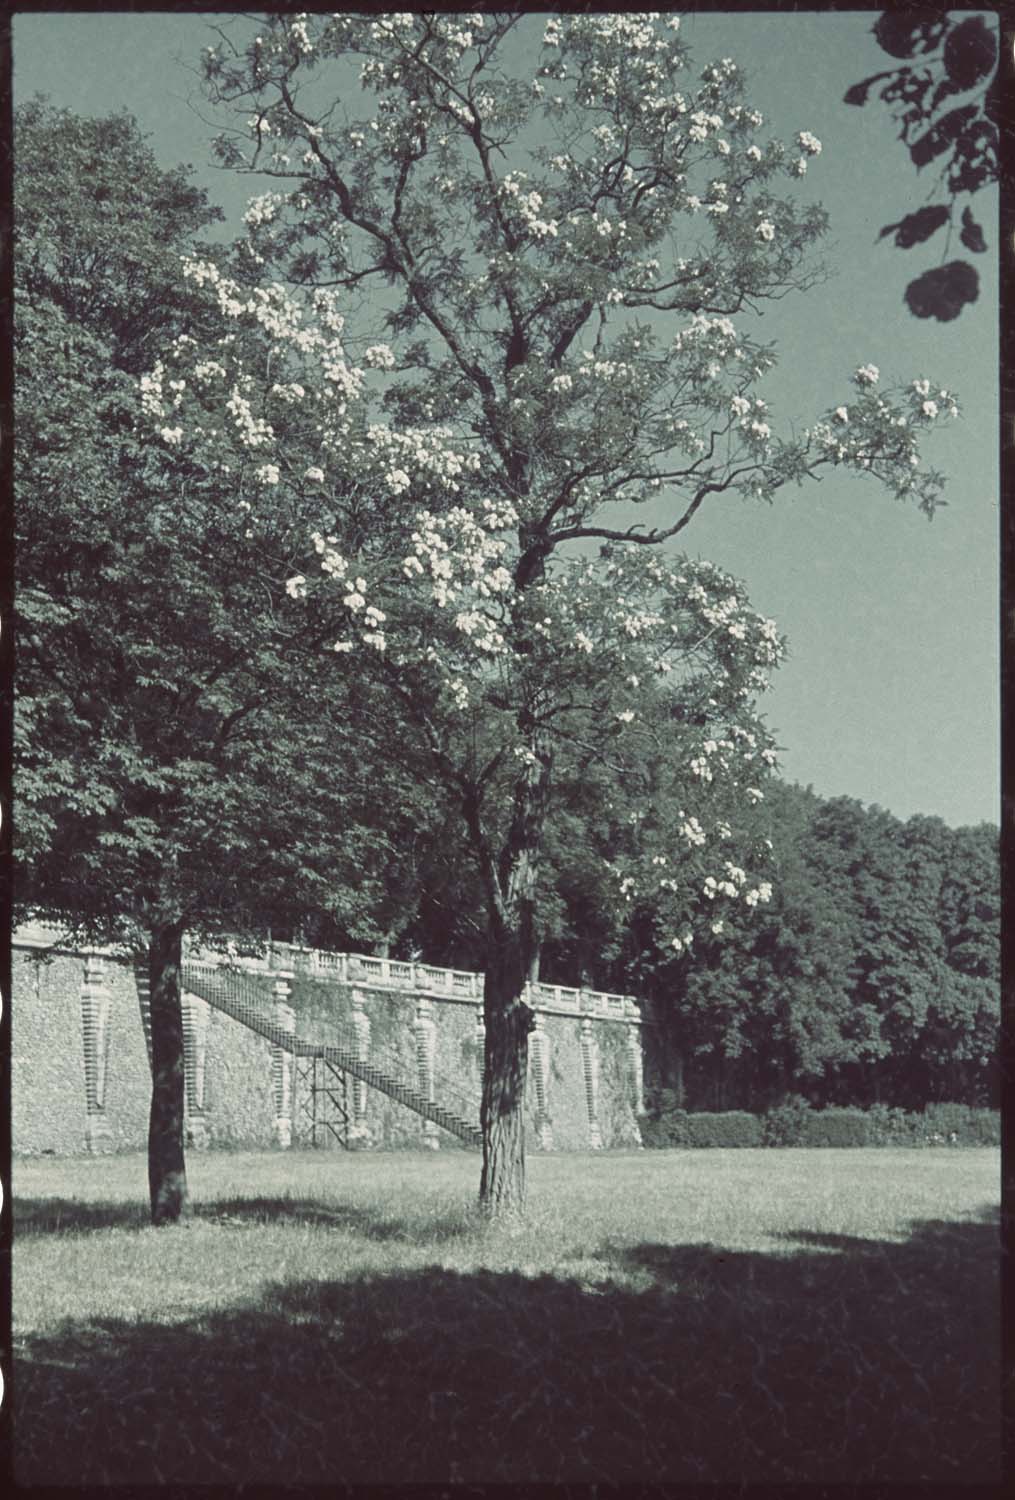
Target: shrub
<point>889,1125</point>
<point>985,1126</point>
<point>653,1132</point>
<point>796,1123</point>
<point>837,1127</point>
<point>734,1127</point>
<point>946,1120</point>
<point>664,1128</point>
<point>960,1125</point>
<point>677,1127</point>
<point>784,1125</point>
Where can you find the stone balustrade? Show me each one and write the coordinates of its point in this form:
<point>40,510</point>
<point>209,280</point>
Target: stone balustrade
<point>367,972</point>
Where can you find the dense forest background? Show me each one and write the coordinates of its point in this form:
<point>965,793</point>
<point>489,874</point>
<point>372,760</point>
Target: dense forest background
<point>871,976</point>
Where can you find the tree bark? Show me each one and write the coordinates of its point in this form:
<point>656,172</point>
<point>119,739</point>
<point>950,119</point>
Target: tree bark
<point>167,1172</point>
<point>508,1022</point>
<point>512,949</point>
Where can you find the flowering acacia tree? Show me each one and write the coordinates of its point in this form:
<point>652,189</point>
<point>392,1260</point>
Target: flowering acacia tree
<point>556,251</point>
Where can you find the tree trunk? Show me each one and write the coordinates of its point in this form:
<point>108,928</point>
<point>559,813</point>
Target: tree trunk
<point>167,1172</point>
<point>511,883</point>
<point>508,1022</point>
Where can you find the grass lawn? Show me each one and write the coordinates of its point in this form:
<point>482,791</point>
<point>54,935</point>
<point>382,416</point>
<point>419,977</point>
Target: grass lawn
<point>682,1316</point>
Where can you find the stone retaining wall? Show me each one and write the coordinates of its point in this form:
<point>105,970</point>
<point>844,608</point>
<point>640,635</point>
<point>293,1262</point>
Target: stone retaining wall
<point>81,1076</point>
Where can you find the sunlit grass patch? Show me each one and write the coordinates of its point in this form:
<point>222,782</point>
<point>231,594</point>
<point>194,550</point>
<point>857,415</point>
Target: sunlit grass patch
<point>681,1315</point>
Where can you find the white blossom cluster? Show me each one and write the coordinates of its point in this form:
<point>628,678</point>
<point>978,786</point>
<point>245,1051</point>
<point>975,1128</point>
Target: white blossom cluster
<point>527,205</point>
<point>417,456</point>
<point>717,363</point>
<point>262,209</point>
<point>751,422</point>
<point>461,554</point>
<point>680,874</point>
<point>881,432</point>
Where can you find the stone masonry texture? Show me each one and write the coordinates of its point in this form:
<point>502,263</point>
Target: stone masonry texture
<point>50,1108</point>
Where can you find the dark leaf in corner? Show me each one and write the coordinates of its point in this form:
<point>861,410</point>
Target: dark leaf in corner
<point>904,33</point>
<point>972,234</point>
<point>943,292</point>
<point>915,228</point>
<point>942,135</point>
<point>858,93</point>
<point>970,53</point>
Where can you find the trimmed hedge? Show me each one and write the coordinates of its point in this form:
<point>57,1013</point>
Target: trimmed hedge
<point>796,1123</point>
<point>837,1127</point>
<point>960,1124</point>
<point>786,1124</point>
<point>734,1127</point>
<point>676,1127</point>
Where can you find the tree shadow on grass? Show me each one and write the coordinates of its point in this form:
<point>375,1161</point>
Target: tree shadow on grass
<point>72,1215</point>
<point>872,1362</point>
<point>36,1216</point>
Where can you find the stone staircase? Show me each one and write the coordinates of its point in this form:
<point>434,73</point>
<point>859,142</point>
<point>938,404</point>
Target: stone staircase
<point>237,995</point>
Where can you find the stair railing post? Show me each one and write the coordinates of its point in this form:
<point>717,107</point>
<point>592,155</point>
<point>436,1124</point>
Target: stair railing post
<point>282,1059</point>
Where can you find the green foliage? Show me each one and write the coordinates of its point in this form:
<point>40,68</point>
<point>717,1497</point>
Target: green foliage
<point>179,749</point>
<point>984,1127</point>
<point>958,1124</point>
<point>946,1120</point>
<point>837,1127</point>
<point>786,1123</point>
<point>84,245</point>
<point>656,1132</point>
<point>676,1127</point>
<point>891,1126</point>
<point>734,1127</point>
<point>873,973</point>
<point>795,1122</point>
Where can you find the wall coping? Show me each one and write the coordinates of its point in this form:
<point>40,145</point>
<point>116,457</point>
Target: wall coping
<point>362,971</point>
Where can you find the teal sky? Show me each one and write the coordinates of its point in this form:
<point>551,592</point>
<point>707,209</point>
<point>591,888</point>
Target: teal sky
<point>890,693</point>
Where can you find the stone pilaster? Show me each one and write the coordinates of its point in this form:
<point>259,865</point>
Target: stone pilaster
<point>590,1070</point>
<point>196,1015</point>
<point>142,984</point>
<point>635,1073</point>
<point>282,1062</point>
<point>480,1035</point>
<point>539,1072</point>
<point>359,1132</point>
<point>425,1036</point>
<point>95,1003</point>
